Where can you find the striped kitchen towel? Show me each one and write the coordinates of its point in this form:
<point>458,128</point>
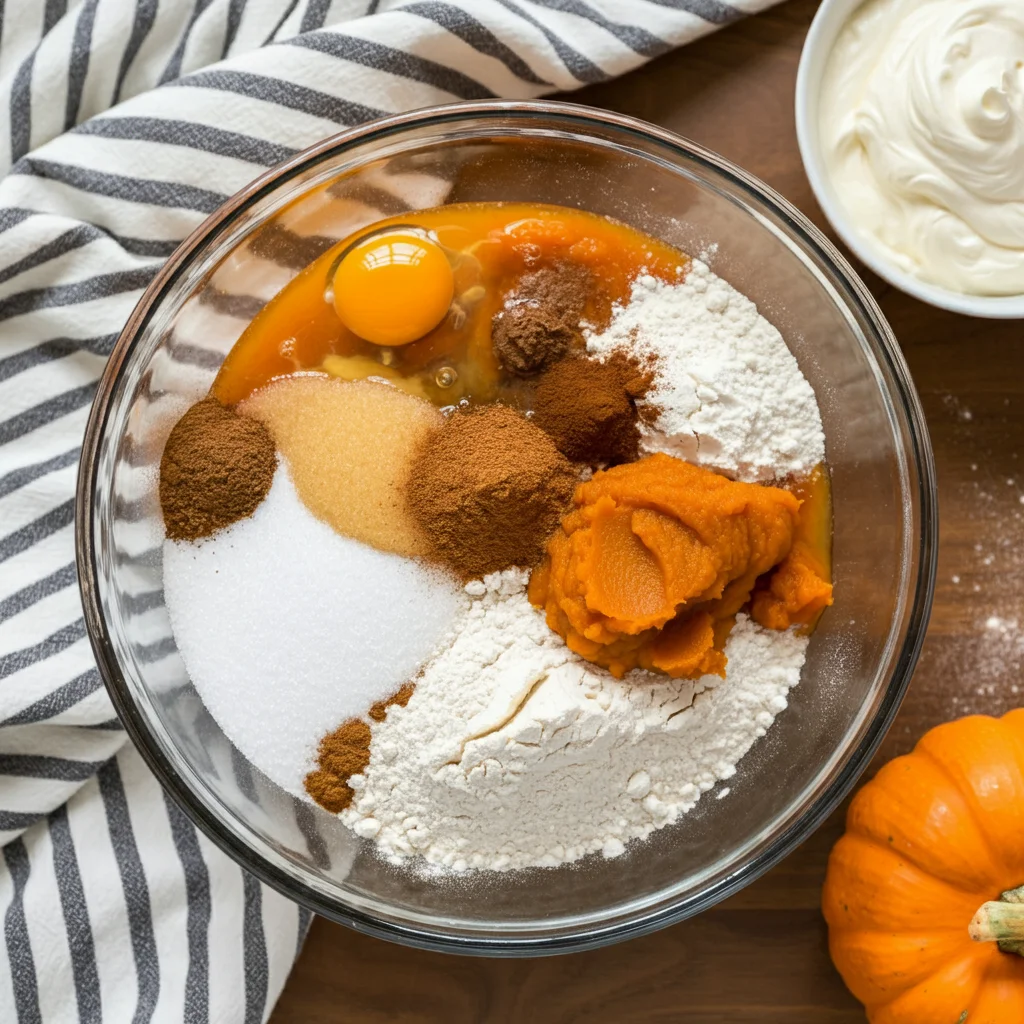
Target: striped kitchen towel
<point>125,123</point>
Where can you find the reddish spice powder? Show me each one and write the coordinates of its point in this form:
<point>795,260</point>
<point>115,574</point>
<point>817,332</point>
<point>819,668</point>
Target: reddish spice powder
<point>541,319</point>
<point>216,468</point>
<point>589,407</point>
<point>346,752</point>
<point>488,487</point>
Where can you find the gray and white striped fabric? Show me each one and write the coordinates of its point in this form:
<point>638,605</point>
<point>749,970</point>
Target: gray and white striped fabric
<point>125,123</point>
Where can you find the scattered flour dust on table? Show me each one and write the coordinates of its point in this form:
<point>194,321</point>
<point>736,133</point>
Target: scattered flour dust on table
<point>513,752</point>
<point>731,394</point>
<point>287,628</point>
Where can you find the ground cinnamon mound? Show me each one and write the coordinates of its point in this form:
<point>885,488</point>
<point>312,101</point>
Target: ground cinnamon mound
<point>346,752</point>
<point>589,407</point>
<point>488,488</point>
<point>216,468</point>
<point>541,319</point>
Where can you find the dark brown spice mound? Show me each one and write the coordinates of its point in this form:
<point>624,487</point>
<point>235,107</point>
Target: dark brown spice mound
<point>346,752</point>
<point>489,487</point>
<point>216,468</point>
<point>541,320</point>
<point>589,407</point>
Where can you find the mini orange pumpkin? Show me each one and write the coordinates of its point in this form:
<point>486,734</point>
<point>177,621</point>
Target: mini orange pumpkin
<point>924,895</point>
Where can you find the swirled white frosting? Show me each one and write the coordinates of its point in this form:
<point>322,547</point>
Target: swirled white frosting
<point>922,129</point>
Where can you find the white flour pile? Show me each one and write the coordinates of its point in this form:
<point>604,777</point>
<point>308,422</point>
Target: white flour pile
<point>731,395</point>
<point>513,752</point>
<point>287,628</point>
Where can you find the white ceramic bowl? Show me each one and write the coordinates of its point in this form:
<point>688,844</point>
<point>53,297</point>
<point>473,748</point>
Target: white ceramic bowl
<point>828,23</point>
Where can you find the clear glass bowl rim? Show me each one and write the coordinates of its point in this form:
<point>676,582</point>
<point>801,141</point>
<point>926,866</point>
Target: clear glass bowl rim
<point>564,117</point>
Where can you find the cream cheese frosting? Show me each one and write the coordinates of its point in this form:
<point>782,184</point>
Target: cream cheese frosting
<point>922,130</point>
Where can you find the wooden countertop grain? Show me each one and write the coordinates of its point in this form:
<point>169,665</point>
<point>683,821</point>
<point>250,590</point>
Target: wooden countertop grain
<point>762,955</point>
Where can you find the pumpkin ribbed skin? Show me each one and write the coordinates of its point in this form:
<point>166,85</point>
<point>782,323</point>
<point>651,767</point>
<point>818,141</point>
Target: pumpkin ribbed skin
<point>931,838</point>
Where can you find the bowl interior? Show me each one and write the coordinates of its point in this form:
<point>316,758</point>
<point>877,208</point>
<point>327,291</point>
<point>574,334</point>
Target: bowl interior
<point>828,23</point>
<point>859,658</point>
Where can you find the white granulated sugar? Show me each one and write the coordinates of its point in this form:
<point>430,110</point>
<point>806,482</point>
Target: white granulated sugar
<point>731,395</point>
<point>515,753</point>
<point>287,628</point>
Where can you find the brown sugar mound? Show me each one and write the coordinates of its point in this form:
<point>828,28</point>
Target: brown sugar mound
<point>346,752</point>
<point>589,407</point>
<point>216,468</point>
<point>348,446</point>
<point>651,567</point>
<point>488,488</point>
<point>541,319</point>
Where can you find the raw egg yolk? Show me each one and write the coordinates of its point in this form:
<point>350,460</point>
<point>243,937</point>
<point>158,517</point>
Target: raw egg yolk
<point>392,289</point>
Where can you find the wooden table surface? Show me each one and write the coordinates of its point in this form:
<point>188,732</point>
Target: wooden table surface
<point>760,956</point>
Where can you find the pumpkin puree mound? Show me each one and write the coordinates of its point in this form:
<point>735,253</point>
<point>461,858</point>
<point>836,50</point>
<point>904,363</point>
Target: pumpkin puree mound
<point>651,567</point>
<point>796,593</point>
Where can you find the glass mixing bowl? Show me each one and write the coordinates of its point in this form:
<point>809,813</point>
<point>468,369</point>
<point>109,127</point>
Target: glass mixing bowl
<point>860,659</point>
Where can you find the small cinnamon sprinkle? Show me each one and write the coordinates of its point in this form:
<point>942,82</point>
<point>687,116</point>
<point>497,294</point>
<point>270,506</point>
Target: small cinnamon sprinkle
<point>379,710</point>
<point>541,319</point>
<point>346,752</point>
<point>342,754</point>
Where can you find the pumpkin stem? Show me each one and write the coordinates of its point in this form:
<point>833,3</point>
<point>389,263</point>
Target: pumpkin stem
<point>1002,921</point>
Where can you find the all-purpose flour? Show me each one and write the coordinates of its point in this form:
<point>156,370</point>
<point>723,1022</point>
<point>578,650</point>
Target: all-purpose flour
<point>513,752</point>
<point>731,395</point>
